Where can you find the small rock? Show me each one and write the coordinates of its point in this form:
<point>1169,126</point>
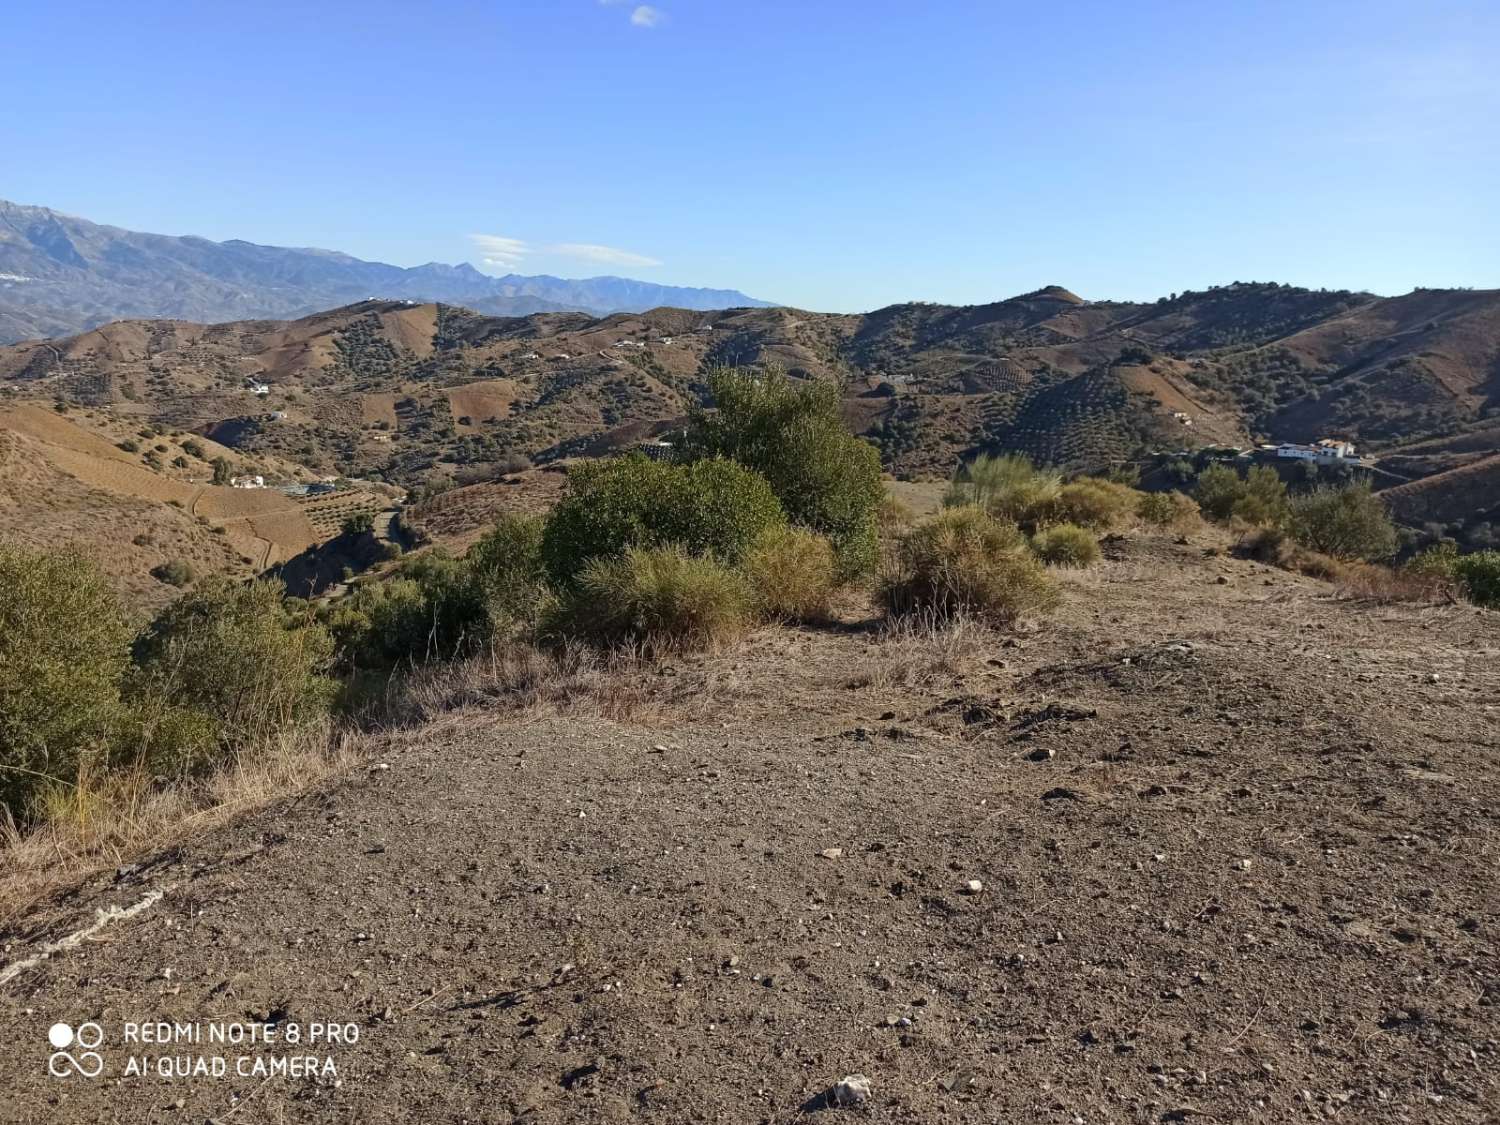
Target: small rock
<point>1433,677</point>
<point>832,853</point>
<point>852,1089</point>
<point>973,887</point>
<point>1244,864</point>
<point>1222,581</point>
<point>379,767</point>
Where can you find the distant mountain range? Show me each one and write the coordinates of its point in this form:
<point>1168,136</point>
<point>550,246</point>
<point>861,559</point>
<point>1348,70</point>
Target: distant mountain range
<point>60,275</point>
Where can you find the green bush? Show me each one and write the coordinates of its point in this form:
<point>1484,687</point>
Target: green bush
<point>1008,487</point>
<point>1258,498</point>
<point>794,435</point>
<point>1479,574</point>
<point>962,562</point>
<point>508,575</point>
<point>1066,544</point>
<point>174,573</point>
<point>793,573</point>
<point>1264,502</point>
<point>658,598</point>
<point>64,648</point>
<point>436,607</point>
<point>1166,509</point>
<point>1346,523</point>
<point>223,472</point>
<point>359,523</point>
<point>1438,561</point>
<point>713,507</point>
<point>1218,489</point>
<point>233,653</point>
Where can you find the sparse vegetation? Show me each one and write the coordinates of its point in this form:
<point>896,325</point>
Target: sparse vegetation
<point>1476,575</point>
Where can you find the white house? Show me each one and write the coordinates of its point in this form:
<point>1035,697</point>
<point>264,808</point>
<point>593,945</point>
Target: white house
<point>1323,450</point>
<point>261,389</point>
<point>248,482</point>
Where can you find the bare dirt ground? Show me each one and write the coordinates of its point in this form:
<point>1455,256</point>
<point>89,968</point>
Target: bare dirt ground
<point>1238,844</point>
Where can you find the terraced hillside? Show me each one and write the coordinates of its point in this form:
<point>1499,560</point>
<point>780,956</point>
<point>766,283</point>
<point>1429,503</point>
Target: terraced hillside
<point>140,498</point>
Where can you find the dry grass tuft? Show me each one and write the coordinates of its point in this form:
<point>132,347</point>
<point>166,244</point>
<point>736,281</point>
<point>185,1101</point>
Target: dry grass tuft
<point>918,648</point>
<point>621,684</point>
<point>105,819</point>
<point>1371,582</point>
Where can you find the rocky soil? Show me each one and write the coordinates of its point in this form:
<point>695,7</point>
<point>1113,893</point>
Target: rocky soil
<point>1213,845</point>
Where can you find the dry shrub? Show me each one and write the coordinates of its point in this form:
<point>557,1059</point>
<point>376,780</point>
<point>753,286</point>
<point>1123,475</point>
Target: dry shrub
<point>793,573</point>
<point>1274,547</point>
<point>1167,510</point>
<point>1066,544</point>
<point>660,599</point>
<point>570,678</point>
<point>1090,503</point>
<point>574,679</point>
<point>1007,487</point>
<point>962,562</point>
<point>108,816</point>
<point>1372,582</point>
<point>1354,579</point>
<point>894,515</point>
<point>918,647</point>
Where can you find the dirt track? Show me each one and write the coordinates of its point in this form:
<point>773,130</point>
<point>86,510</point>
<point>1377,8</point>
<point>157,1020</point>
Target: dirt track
<point>1238,845</point>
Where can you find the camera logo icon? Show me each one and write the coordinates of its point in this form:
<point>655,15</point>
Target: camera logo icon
<point>82,1060</point>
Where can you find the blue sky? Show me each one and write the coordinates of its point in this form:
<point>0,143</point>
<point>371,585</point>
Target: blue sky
<point>836,155</point>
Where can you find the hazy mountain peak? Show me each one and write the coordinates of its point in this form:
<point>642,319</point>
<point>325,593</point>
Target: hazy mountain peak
<point>78,274</point>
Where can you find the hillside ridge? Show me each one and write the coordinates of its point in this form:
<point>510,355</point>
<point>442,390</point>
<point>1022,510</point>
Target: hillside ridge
<point>60,274</point>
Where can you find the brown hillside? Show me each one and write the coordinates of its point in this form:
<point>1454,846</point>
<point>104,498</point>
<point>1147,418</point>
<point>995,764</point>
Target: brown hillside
<point>380,389</point>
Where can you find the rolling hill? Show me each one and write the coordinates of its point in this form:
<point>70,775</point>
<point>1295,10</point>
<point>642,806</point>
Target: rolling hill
<point>423,395</point>
<point>60,274</point>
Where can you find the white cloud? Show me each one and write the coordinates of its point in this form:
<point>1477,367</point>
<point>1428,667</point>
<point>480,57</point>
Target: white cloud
<point>497,250</point>
<point>608,255</point>
<point>646,16</point>
<point>507,253</point>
